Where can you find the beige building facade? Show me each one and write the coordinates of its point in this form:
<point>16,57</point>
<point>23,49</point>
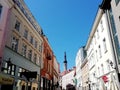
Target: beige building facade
<point>85,74</point>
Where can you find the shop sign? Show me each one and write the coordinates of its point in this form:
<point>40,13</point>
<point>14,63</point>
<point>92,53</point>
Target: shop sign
<point>6,80</point>
<point>105,78</point>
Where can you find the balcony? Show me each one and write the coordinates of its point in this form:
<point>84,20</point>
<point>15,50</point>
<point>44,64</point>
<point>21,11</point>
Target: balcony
<point>48,56</point>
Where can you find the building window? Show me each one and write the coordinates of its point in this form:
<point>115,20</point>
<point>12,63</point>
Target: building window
<point>48,67</point>
<point>17,25</point>
<point>96,55</point>
<point>117,1</point>
<point>108,65</point>
<point>12,69</point>
<point>95,38</point>
<point>40,48</point>
<point>104,45</point>
<point>35,58</point>
<point>20,71</point>
<point>0,9</point>
<point>15,43</point>
<point>30,54</point>
<point>26,34</point>
<point>102,69</point>
<point>98,34</point>
<point>24,49</point>
<point>100,54</point>
<point>39,61</point>
<point>31,39</point>
<point>117,46</point>
<point>101,24</point>
<point>36,44</point>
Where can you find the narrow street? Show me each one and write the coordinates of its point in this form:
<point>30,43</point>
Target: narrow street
<point>59,45</point>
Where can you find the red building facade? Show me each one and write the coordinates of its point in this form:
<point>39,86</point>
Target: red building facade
<point>47,70</point>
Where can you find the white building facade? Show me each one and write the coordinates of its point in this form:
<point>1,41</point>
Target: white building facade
<point>115,6</point>
<point>101,59</point>
<point>68,80</point>
<point>79,58</point>
<point>115,10</point>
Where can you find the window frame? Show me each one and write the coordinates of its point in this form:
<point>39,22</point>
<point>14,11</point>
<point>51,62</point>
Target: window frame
<point>104,45</point>
<point>14,43</point>
<point>24,50</point>
<point>98,36</point>
<point>35,58</point>
<point>30,54</point>
<point>31,39</point>
<point>100,53</point>
<point>101,25</point>
<point>1,7</point>
<point>17,25</point>
<point>25,33</point>
<point>102,69</point>
<point>36,44</point>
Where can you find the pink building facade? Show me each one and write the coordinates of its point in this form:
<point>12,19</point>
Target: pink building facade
<point>4,20</point>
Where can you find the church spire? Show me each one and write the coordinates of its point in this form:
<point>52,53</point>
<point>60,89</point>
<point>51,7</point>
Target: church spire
<point>65,61</point>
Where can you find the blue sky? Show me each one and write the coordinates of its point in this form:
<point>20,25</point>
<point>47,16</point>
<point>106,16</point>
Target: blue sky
<point>66,23</point>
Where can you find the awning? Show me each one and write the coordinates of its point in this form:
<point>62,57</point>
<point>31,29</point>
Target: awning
<point>4,79</point>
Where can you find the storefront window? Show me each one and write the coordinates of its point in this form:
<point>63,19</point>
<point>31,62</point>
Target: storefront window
<point>8,68</point>
<point>21,70</point>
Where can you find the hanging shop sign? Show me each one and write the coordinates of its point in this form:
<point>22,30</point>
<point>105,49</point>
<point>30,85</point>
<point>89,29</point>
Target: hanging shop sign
<point>105,78</point>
